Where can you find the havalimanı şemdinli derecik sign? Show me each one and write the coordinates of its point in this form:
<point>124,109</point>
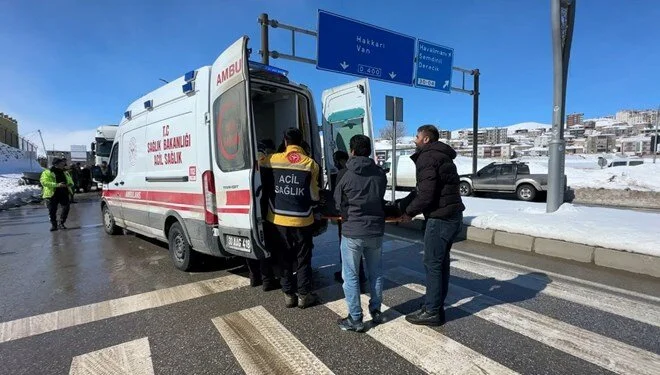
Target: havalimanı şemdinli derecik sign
<point>352,47</point>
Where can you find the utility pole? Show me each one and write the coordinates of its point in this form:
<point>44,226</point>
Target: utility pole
<point>655,140</point>
<point>562,16</point>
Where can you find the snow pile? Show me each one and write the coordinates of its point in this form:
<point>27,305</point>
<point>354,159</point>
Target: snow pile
<point>625,230</point>
<point>611,228</point>
<point>13,160</point>
<point>12,194</point>
<point>645,177</point>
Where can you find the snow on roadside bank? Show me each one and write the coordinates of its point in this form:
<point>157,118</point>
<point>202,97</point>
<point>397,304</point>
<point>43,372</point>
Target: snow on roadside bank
<point>13,195</point>
<point>617,229</point>
<point>610,228</point>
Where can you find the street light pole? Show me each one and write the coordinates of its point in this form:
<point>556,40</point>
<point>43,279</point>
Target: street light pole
<point>563,16</point>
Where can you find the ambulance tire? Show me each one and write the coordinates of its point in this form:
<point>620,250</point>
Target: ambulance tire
<point>109,222</point>
<point>181,252</point>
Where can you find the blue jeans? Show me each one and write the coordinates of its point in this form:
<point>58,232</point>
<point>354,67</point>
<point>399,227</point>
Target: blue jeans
<point>352,250</point>
<point>439,236</point>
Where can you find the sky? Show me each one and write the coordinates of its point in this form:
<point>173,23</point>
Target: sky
<point>69,66</point>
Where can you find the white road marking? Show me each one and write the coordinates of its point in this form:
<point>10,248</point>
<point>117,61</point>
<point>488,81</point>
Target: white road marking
<point>622,306</point>
<point>52,321</point>
<point>262,345</point>
<point>605,352</point>
<point>129,358</point>
<point>554,275</point>
<point>424,347</point>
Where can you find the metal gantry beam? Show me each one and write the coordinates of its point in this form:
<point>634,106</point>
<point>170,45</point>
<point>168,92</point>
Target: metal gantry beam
<point>265,22</point>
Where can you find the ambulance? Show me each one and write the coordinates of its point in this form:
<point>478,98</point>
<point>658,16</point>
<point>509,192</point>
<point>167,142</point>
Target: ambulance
<point>184,164</point>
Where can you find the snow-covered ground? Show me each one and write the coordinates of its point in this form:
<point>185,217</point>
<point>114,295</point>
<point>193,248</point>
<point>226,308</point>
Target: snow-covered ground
<point>12,164</point>
<point>13,195</point>
<point>626,230</point>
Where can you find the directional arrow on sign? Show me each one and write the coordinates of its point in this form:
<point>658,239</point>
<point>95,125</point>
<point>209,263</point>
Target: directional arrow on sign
<point>392,75</point>
<point>445,85</point>
<point>343,65</point>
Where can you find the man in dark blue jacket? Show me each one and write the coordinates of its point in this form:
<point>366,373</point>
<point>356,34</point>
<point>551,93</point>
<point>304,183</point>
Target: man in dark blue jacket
<point>359,197</point>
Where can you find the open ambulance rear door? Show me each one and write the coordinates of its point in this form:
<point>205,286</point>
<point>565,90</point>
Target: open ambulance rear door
<point>346,112</point>
<point>235,178</point>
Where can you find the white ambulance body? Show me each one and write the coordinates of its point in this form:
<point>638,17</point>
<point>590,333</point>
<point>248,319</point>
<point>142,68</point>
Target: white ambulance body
<point>184,162</point>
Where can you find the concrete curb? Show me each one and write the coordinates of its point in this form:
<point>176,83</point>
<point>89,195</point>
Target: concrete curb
<point>611,258</point>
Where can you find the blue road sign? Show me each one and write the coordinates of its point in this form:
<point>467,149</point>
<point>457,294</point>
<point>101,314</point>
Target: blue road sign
<point>352,47</point>
<point>434,66</point>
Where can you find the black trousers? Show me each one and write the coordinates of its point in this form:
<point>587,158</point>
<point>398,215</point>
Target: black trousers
<point>293,246</point>
<point>53,202</point>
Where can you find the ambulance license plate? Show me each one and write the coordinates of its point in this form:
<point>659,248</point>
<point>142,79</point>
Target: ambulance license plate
<point>238,243</point>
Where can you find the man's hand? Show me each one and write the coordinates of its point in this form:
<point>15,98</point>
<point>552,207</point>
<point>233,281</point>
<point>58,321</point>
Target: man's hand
<point>61,184</point>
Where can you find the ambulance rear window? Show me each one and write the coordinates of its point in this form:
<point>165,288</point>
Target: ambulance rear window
<point>231,130</point>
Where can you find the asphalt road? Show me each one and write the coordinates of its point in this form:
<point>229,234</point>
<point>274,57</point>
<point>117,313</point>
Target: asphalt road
<point>81,302</point>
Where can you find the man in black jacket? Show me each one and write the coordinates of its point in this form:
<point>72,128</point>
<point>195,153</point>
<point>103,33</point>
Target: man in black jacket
<point>359,197</point>
<point>437,197</point>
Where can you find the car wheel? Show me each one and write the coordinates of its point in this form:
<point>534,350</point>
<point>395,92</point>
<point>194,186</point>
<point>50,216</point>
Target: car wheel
<point>526,192</point>
<point>465,189</point>
<point>109,222</point>
<point>181,252</point>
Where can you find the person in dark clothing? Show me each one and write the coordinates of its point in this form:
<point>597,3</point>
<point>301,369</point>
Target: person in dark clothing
<point>57,186</point>
<point>74,171</point>
<point>291,183</point>
<point>436,196</point>
<point>359,198</point>
<point>340,158</point>
<point>261,272</point>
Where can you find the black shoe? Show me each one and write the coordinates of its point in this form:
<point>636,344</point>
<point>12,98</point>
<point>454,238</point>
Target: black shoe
<point>377,317</point>
<point>308,300</point>
<point>348,324</point>
<point>255,281</point>
<point>271,285</point>
<point>291,300</point>
<point>53,228</point>
<point>423,318</point>
<point>61,226</point>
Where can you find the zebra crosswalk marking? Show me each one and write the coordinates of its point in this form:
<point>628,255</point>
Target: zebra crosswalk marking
<point>605,352</point>
<point>262,345</point>
<point>129,358</point>
<point>424,347</point>
<point>52,321</point>
<point>622,306</point>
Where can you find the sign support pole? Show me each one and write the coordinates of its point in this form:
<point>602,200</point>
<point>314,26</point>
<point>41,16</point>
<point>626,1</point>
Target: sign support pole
<point>563,16</point>
<point>394,158</point>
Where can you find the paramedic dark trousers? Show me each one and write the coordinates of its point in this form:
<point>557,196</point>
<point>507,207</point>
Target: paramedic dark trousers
<point>294,246</point>
<point>53,202</point>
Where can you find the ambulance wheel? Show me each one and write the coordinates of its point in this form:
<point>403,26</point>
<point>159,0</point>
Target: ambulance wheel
<point>182,254</point>
<point>109,222</point>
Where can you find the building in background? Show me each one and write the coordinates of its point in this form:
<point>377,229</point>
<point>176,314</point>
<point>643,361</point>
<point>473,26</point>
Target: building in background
<point>635,117</point>
<point>496,136</point>
<point>601,143</point>
<point>445,134</point>
<point>8,130</point>
<point>499,151</point>
<point>638,146</point>
<point>574,119</point>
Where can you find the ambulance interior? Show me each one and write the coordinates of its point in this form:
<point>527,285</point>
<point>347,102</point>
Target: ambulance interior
<point>276,109</point>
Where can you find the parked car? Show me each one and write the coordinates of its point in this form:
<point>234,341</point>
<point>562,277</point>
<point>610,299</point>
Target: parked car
<point>509,177</point>
<point>405,172</point>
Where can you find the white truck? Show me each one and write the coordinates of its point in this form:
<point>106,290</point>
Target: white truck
<point>101,147</point>
<point>183,167</point>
